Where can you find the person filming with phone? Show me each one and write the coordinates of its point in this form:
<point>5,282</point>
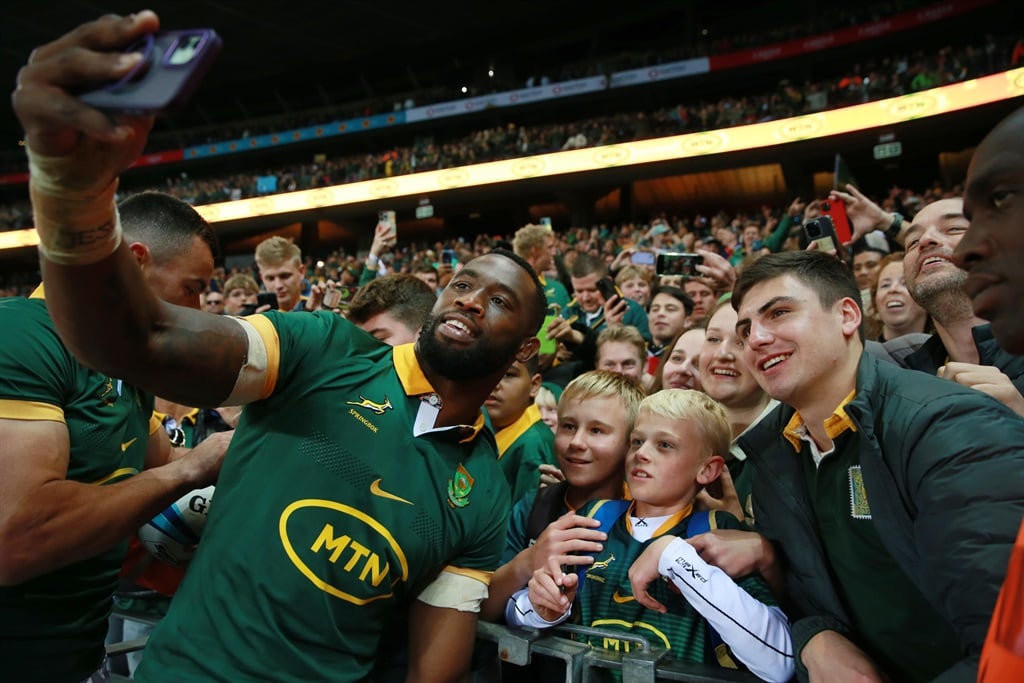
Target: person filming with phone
<point>597,302</point>
<point>280,264</point>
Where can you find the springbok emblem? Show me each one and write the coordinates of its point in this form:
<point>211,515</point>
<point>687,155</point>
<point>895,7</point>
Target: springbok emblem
<point>377,408</point>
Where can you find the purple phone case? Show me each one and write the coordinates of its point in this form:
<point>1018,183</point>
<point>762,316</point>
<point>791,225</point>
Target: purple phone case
<point>157,84</point>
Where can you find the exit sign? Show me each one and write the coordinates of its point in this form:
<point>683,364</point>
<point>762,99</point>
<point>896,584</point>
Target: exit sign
<point>887,150</point>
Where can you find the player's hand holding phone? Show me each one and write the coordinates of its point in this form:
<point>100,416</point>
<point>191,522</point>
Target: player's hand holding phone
<point>92,147</point>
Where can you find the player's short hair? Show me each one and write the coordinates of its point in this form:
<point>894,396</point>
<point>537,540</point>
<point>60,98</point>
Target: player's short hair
<point>277,250</point>
<point>528,238</point>
<point>165,224</point>
<point>405,297</point>
<point>605,384</point>
<point>698,407</point>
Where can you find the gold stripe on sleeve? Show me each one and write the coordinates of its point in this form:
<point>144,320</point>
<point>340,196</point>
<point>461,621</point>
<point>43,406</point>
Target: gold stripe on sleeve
<point>268,333</point>
<point>15,409</point>
<point>475,574</point>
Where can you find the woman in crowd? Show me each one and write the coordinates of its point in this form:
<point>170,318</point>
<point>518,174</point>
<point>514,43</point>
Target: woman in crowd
<point>895,312</point>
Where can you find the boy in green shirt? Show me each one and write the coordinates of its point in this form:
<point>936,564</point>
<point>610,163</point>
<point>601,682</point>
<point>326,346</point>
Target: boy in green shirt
<point>595,415</point>
<point>524,441</point>
<point>675,450</point>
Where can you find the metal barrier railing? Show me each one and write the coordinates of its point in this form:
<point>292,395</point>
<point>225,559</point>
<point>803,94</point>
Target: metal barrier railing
<point>583,663</point>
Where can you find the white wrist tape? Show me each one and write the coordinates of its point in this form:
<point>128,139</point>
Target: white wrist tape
<point>76,226</point>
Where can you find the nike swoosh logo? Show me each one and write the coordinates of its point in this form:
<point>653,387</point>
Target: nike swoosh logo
<point>128,444</point>
<point>622,598</point>
<point>376,490</point>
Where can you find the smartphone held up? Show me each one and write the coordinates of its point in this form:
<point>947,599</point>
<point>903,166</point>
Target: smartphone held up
<point>172,66</point>
<point>678,263</point>
<point>387,219</point>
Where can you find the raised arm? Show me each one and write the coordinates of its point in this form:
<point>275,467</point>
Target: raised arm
<point>758,634</point>
<point>95,291</point>
<point>866,216</point>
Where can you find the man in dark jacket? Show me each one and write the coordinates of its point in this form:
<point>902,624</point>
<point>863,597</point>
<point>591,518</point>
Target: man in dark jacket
<point>894,522</point>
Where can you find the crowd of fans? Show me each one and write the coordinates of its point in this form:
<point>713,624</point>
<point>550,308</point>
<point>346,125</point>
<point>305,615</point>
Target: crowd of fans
<point>721,232</point>
<point>885,77</point>
<point>707,42</point>
<point>760,453</point>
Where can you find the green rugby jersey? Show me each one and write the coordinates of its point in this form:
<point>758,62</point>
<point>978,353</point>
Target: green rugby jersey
<point>523,447</point>
<point>52,627</point>
<point>606,601</point>
<point>330,516</point>
<point>555,292</point>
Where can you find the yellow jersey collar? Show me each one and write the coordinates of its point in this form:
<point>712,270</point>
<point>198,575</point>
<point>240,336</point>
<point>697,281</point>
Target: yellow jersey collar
<point>38,293</point>
<point>415,383</point>
<point>507,436</point>
<point>836,423</point>
<point>192,417</point>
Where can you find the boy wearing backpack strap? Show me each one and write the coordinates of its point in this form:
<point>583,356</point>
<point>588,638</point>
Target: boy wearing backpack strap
<point>675,450</point>
<point>595,416</point>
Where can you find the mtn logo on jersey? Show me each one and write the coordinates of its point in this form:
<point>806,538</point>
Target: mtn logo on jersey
<point>341,550</point>
<point>377,408</point>
<point>641,628</point>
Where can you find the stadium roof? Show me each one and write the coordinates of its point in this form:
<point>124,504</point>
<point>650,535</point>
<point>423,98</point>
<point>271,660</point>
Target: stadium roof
<point>308,53</point>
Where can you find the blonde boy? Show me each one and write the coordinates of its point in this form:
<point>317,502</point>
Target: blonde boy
<point>280,265</point>
<point>675,450</point>
<point>595,416</point>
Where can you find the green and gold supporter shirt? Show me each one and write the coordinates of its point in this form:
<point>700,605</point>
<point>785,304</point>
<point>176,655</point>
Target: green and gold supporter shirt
<point>52,627</point>
<point>555,292</point>
<point>891,617</point>
<point>330,516</point>
<point>523,447</point>
<point>606,601</point>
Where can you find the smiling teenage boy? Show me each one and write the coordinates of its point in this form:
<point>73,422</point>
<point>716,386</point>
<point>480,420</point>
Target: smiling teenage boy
<point>871,515</point>
<point>675,450</point>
